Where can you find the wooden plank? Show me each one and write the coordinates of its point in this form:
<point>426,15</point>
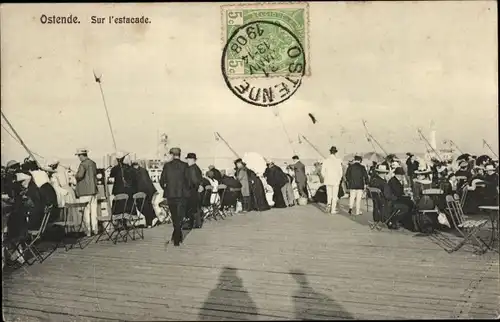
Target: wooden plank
<point>351,272</point>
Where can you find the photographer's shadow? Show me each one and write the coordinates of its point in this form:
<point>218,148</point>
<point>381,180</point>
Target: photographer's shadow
<point>311,305</point>
<point>229,299</point>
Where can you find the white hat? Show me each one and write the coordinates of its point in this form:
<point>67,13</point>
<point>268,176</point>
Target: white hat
<point>12,163</point>
<point>53,162</point>
<point>489,167</point>
<point>81,151</point>
<point>423,171</point>
<point>382,168</point>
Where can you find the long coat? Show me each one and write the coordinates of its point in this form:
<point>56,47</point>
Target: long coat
<point>331,170</point>
<point>144,182</point>
<point>174,179</point>
<point>86,178</point>
<point>300,172</point>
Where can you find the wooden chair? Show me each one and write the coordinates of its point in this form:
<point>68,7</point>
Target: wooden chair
<point>221,189</point>
<point>467,228</point>
<point>133,218</point>
<point>115,222</point>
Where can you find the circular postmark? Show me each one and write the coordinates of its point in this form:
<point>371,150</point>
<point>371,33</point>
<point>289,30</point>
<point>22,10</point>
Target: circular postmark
<point>263,63</point>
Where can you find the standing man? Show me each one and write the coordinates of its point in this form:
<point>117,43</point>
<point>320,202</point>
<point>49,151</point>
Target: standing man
<point>195,177</point>
<point>357,180</point>
<point>174,182</point>
<point>86,190</point>
<point>331,171</point>
<point>300,177</point>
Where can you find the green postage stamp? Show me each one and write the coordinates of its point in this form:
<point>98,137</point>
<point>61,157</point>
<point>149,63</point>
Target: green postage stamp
<point>273,43</point>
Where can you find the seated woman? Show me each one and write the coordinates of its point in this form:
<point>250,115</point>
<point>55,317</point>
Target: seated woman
<point>421,183</point>
<point>42,181</point>
<point>214,198</point>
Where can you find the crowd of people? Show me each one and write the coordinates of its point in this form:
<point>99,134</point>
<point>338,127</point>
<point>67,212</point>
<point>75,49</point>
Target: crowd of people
<point>28,189</point>
<point>475,179</point>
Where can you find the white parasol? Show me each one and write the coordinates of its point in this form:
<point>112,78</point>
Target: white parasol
<point>255,162</point>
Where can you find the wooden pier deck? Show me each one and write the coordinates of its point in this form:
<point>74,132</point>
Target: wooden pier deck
<point>294,263</point>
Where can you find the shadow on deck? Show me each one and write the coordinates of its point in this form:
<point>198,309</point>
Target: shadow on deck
<point>296,263</point>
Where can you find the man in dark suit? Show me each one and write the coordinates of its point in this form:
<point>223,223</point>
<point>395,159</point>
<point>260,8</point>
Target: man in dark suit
<point>299,170</point>
<point>174,182</point>
<point>194,201</point>
<point>357,180</point>
<point>394,194</point>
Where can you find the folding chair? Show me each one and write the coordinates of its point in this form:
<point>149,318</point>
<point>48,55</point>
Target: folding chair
<point>206,204</point>
<point>168,215</point>
<point>66,222</point>
<point>466,227</point>
<point>133,218</point>
<point>34,236</point>
<point>115,222</point>
<point>221,189</point>
<point>229,200</point>
<point>379,204</point>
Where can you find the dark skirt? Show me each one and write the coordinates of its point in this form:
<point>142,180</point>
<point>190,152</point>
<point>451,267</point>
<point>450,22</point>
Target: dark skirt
<point>279,202</point>
<point>49,198</point>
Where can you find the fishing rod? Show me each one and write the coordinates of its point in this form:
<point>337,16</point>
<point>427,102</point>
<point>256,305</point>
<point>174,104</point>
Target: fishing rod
<point>422,136</point>
<point>98,81</point>
<point>313,146</point>
<point>219,137</point>
<point>21,141</point>
<point>277,114</point>
<point>372,138</point>
<point>489,147</point>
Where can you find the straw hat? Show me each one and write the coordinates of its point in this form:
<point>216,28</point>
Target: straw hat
<point>489,167</point>
<point>81,151</point>
<point>382,168</point>
<point>423,171</point>
<point>53,162</point>
<point>12,163</point>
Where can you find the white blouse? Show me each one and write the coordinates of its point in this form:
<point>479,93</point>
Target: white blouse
<point>40,177</point>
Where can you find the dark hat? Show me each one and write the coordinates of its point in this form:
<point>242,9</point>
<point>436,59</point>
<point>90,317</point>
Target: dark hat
<point>191,156</point>
<point>175,151</point>
<point>333,149</point>
<point>399,171</point>
<point>358,158</point>
<point>295,157</point>
<point>239,160</point>
<point>409,154</point>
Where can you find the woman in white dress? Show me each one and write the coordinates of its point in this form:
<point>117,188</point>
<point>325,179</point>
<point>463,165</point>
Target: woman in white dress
<point>61,181</point>
<point>214,198</point>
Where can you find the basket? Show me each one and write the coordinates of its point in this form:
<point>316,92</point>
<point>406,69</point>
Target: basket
<point>302,201</point>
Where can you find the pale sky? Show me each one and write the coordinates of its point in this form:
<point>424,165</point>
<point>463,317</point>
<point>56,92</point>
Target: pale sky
<point>397,65</point>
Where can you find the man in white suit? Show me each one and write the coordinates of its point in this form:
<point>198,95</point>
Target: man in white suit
<point>331,171</point>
